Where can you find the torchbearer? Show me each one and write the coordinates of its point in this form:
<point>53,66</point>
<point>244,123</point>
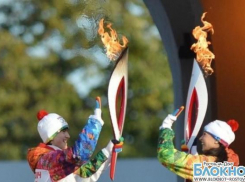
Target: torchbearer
<point>217,135</point>
<point>216,138</point>
<point>53,160</point>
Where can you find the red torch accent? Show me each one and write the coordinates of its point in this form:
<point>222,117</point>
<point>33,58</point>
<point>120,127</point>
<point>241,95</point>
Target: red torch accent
<point>120,110</point>
<point>192,113</point>
<point>120,103</point>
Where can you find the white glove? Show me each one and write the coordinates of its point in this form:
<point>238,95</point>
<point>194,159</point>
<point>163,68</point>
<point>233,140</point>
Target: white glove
<point>108,149</point>
<point>168,122</point>
<point>95,177</point>
<point>97,115</point>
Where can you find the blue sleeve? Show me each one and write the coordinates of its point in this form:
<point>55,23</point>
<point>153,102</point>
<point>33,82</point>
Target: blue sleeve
<point>86,143</point>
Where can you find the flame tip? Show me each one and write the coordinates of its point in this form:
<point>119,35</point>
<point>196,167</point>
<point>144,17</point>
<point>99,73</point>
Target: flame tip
<point>110,40</point>
<point>203,55</point>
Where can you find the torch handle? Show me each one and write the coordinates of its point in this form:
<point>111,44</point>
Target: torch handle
<point>113,164</point>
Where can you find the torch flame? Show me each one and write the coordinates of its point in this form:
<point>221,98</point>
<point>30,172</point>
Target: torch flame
<point>203,55</point>
<point>111,42</point>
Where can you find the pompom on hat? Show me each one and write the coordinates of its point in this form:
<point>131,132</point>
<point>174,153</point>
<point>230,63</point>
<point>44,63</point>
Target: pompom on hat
<point>49,125</point>
<point>222,131</point>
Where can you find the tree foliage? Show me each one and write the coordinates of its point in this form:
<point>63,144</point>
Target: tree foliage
<point>47,44</point>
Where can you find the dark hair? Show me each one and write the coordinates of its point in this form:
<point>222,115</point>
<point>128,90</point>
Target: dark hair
<point>62,129</point>
<point>49,143</point>
<point>220,153</point>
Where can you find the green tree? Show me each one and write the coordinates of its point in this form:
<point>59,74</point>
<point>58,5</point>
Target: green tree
<point>47,44</point>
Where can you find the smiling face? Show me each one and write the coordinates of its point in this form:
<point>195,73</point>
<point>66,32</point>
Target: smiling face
<point>208,142</point>
<point>60,140</point>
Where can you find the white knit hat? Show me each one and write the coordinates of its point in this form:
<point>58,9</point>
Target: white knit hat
<point>222,131</point>
<point>49,125</point>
